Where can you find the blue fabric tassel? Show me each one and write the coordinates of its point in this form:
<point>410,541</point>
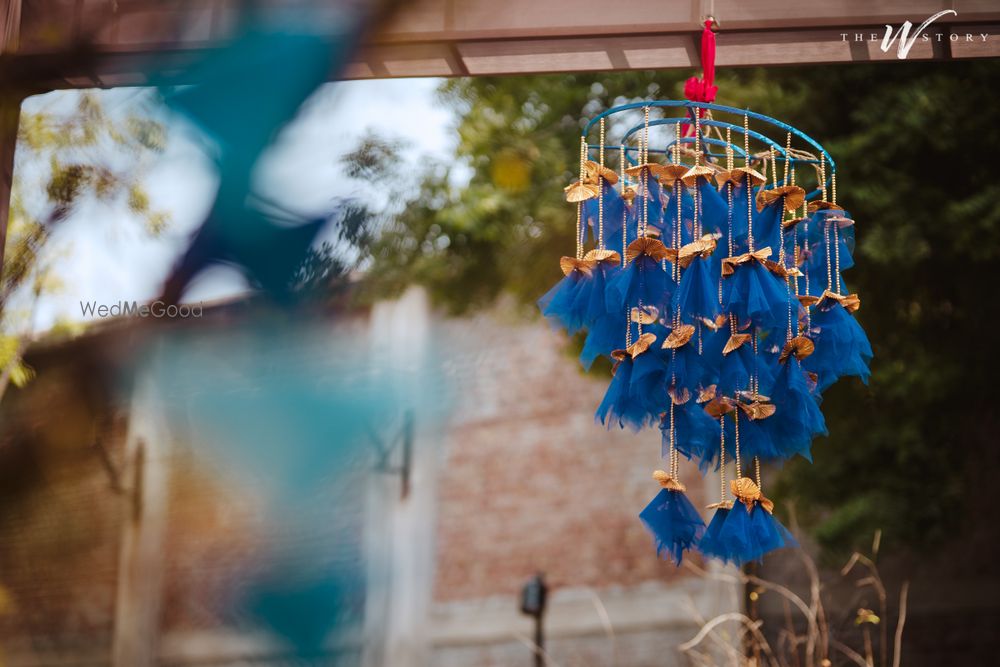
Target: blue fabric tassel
<point>798,418</point>
<point>711,543</point>
<point>767,225</point>
<point>614,209</point>
<point>648,189</point>
<point>644,282</point>
<point>755,294</point>
<point>696,432</point>
<point>620,405</point>
<point>842,348</point>
<point>591,297</point>
<point>755,440</point>
<point>674,522</point>
<point>557,304</point>
<point>714,211</point>
<point>604,336</point>
<point>747,536</point>
<point>697,296</point>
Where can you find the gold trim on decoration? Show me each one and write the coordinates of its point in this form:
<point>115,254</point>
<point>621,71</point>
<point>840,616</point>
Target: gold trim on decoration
<point>706,394</point>
<point>702,247</point>
<point>738,174</point>
<point>800,346</point>
<point>820,205</point>
<point>645,314</point>
<point>793,194</point>
<point>570,264</point>
<point>735,342</point>
<point>718,406</point>
<point>595,169</point>
<point>679,395</point>
<point>747,492</point>
<point>668,482</point>
<point>579,191</point>
<point>690,176</point>
<point>636,171</point>
<point>850,302</point>
<point>641,345</point>
<point>669,173</point>
<point>758,410</point>
<point>608,256</point>
<point>653,248</point>
<point>808,300</point>
<point>729,264</point>
<point>722,504</point>
<point>679,336</point>
<point>791,222</point>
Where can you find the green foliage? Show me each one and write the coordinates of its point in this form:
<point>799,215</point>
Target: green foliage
<point>914,144</point>
<point>90,156</point>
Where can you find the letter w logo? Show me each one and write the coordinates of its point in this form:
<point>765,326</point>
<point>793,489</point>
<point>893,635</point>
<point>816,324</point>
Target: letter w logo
<point>905,40</point>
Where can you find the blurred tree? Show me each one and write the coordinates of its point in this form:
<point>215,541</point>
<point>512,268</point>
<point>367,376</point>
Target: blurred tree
<point>914,143</point>
<point>66,158</point>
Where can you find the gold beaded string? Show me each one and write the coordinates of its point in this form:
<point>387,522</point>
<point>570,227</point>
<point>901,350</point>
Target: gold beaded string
<point>729,197</point>
<point>736,442</point>
<point>579,205</point>
<point>722,458</point>
<point>644,159</point>
<point>600,199</point>
<point>675,158</point>
<point>822,173</point>
<point>673,461</point>
<point>746,158</point>
<point>621,166</point>
<point>756,469</point>
<point>788,156</point>
<point>789,175</point>
<point>836,236</point>
<point>696,227</point>
<point>774,166</point>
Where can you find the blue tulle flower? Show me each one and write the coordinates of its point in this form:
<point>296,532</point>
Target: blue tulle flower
<point>740,218</point>
<point>697,295</point>
<point>591,296</point>
<point>755,294</point>
<point>643,282</point>
<point>696,434</point>
<point>674,522</point>
<point>686,367</point>
<point>713,210</point>
<point>746,536</point>
<point>767,225</point>
<point>649,200</point>
<point>682,219</point>
<point>621,405</point>
<point>711,543</point>
<point>557,305</point>
<point>604,336</point>
<point>798,418</point>
<point>755,440</point>
<point>612,214</point>
<point>842,348</point>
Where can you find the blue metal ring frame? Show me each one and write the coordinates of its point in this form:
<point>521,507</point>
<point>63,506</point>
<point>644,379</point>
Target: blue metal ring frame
<point>690,106</point>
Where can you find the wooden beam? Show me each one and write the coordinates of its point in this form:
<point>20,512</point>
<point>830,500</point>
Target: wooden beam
<point>484,37</point>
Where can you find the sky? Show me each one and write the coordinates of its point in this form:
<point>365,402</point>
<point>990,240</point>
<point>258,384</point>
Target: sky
<point>101,255</point>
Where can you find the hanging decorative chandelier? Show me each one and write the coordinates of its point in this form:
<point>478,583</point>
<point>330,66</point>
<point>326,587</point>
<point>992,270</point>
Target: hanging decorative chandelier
<point>711,279</point>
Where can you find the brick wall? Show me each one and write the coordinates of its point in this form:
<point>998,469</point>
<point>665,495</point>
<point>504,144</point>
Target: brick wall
<point>530,483</point>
